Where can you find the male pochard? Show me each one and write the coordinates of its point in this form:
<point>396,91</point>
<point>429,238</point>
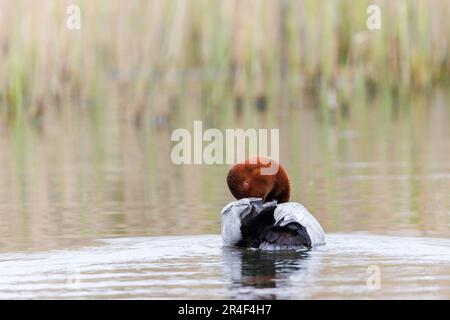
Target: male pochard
<point>262,217</point>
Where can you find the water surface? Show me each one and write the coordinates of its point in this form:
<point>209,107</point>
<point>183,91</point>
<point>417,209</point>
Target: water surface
<point>198,267</point>
<point>376,174</point>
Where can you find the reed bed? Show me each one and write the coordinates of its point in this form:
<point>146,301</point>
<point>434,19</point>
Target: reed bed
<point>146,55</point>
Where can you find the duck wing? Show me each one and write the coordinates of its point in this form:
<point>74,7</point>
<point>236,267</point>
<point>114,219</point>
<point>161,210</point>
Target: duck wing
<point>292,236</point>
<point>252,223</point>
<point>259,229</point>
<point>291,213</point>
<point>256,224</point>
<point>243,220</point>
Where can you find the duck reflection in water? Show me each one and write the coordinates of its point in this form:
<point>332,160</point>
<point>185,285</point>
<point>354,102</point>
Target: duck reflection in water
<point>259,274</point>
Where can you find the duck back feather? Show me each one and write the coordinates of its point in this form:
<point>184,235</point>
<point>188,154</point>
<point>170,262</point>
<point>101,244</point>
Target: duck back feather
<point>270,226</point>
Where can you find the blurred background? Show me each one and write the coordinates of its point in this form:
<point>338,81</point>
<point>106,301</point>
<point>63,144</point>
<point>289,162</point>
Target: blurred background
<point>86,115</point>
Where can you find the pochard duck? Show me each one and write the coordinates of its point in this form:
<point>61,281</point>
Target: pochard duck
<point>262,217</point>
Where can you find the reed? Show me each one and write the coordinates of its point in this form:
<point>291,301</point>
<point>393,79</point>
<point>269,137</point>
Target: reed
<point>145,52</point>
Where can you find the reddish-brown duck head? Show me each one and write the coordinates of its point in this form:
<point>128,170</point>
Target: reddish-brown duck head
<point>249,179</point>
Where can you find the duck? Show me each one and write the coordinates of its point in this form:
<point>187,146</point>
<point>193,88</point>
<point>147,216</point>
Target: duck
<point>262,216</point>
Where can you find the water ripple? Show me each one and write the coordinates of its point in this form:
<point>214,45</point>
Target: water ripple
<point>199,267</point>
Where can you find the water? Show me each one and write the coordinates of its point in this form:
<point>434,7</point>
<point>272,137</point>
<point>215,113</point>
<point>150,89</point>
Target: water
<point>376,174</point>
<point>198,267</point>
